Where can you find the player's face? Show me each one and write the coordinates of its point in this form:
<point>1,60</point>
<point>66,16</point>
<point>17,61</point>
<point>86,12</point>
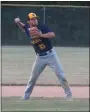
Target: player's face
<point>34,22</point>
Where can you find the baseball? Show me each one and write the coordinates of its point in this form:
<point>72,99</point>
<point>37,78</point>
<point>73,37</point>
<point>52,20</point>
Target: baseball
<point>17,20</point>
<point>33,29</point>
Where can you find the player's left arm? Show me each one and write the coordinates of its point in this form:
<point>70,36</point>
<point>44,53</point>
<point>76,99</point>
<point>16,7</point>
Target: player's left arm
<point>48,33</point>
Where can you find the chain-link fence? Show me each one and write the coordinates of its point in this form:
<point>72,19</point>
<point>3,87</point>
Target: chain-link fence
<point>71,24</point>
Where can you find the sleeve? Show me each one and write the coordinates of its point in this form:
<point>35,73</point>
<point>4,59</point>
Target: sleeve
<point>46,29</point>
<point>26,30</point>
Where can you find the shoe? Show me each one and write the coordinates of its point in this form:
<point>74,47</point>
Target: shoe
<point>24,98</point>
<point>69,98</point>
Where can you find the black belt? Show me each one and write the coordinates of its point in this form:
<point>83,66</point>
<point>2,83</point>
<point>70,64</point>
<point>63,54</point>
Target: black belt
<point>45,53</point>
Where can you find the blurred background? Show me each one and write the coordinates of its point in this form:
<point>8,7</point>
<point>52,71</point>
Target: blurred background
<point>70,22</point>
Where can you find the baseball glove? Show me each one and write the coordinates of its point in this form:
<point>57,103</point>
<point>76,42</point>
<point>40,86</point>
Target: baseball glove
<point>34,32</point>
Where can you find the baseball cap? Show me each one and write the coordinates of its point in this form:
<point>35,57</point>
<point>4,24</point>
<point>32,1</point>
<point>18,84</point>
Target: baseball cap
<point>32,15</point>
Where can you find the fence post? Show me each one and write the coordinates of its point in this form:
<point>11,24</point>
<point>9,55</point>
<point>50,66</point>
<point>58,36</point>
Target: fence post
<point>44,14</point>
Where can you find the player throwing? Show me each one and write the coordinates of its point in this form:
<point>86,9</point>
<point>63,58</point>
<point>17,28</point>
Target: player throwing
<point>40,36</point>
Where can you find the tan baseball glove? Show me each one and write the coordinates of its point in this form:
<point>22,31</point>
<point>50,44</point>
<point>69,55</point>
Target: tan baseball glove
<point>34,32</point>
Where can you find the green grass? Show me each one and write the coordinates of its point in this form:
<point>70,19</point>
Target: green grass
<point>17,63</point>
<point>44,104</point>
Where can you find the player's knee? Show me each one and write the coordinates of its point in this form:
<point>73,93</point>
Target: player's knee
<point>63,80</point>
<point>31,80</point>
<point>60,73</point>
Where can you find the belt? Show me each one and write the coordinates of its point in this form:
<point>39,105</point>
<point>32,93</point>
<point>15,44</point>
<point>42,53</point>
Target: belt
<point>45,53</point>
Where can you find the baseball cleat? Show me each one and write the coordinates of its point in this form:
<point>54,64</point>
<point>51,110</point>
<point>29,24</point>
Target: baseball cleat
<point>69,98</point>
<point>24,98</point>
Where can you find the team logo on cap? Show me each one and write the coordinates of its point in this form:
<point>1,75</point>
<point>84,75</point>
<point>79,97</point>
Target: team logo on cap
<point>33,14</point>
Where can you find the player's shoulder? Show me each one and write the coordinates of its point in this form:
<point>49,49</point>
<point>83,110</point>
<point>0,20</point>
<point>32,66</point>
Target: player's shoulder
<point>27,25</point>
<point>44,28</point>
<point>42,25</point>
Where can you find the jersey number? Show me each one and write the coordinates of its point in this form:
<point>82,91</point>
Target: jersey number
<point>42,46</point>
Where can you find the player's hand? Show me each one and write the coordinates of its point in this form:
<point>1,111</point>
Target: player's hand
<point>17,20</point>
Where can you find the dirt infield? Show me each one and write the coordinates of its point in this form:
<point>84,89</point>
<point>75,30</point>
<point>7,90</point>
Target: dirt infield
<point>46,91</point>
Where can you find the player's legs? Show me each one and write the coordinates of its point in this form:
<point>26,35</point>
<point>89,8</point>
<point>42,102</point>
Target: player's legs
<point>54,63</point>
<point>37,68</point>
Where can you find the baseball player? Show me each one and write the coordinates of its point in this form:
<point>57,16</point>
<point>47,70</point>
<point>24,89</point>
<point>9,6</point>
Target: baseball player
<point>40,36</point>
